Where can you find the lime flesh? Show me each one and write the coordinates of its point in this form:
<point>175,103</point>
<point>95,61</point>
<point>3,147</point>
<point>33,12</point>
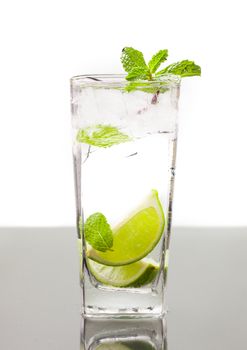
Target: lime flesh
<point>136,275</point>
<point>136,236</point>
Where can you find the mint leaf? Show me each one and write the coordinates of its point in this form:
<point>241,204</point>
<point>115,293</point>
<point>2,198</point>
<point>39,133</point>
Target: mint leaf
<point>102,136</point>
<point>132,58</point>
<point>134,64</point>
<point>137,73</point>
<point>157,59</point>
<point>145,87</point>
<point>184,68</point>
<point>98,232</point>
<point>140,86</point>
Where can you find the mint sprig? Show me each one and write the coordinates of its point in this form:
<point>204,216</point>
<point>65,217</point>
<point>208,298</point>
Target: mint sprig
<point>102,136</point>
<point>184,68</point>
<point>135,65</point>
<point>98,232</point>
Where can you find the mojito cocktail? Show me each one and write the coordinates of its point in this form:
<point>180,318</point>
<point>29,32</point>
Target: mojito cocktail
<point>124,147</point>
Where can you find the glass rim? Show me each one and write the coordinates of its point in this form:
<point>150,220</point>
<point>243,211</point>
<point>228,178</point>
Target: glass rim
<point>119,81</point>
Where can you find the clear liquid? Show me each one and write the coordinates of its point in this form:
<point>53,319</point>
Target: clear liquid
<point>114,181</point>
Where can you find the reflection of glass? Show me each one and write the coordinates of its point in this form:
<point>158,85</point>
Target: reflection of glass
<point>124,335</point>
<point>124,146</point>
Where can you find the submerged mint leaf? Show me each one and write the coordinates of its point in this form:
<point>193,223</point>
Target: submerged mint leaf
<point>183,68</point>
<point>141,86</point>
<point>98,232</point>
<point>157,59</point>
<point>102,136</point>
<point>145,87</point>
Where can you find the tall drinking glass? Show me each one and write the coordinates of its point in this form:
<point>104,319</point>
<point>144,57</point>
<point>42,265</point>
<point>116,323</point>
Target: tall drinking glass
<point>124,149</point>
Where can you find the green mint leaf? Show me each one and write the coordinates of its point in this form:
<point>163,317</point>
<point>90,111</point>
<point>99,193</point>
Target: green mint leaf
<point>137,73</point>
<point>145,87</point>
<point>102,136</point>
<point>98,232</point>
<point>157,59</point>
<point>132,58</point>
<point>134,64</point>
<point>140,86</point>
<point>184,68</point>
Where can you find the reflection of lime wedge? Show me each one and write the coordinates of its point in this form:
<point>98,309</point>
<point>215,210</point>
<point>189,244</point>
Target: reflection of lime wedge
<point>133,345</point>
<point>137,274</point>
<point>136,236</point>
<point>112,346</point>
<point>140,345</point>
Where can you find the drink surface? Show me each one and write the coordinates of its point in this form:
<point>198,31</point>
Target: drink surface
<point>127,176</point>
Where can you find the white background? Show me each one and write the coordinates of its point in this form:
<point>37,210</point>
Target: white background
<point>44,43</point>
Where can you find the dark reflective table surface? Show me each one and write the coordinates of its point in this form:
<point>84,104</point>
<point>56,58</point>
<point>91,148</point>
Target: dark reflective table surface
<point>40,298</point>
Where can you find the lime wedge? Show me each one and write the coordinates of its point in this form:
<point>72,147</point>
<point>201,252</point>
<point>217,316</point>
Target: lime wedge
<point>136,275</point>
<point>136,236</point>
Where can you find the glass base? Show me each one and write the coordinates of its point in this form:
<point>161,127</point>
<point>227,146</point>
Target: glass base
<point>123,303</point>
